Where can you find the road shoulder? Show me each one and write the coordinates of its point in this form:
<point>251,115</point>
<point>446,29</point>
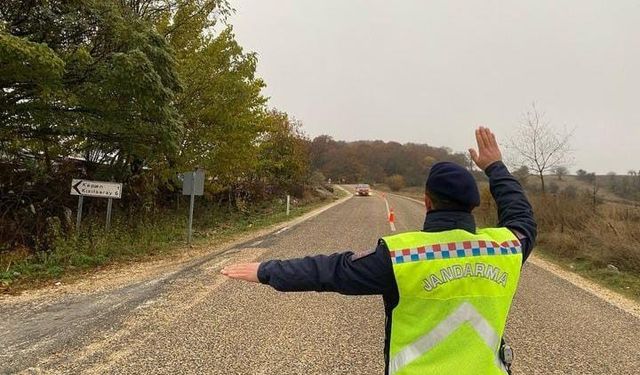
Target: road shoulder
<point>611,297</point>
<point>120,274</point>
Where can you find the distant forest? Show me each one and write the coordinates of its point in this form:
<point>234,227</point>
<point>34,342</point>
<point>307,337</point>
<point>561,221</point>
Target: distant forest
<point>399,165</point>
<point>377,161</point>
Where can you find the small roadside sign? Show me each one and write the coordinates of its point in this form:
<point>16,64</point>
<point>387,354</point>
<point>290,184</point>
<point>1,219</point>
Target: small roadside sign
<point>193,183</point>
<point>99,189</point>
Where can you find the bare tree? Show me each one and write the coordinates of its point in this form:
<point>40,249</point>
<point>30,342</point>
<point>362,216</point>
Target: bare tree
<point>594,191</point>
<point>561,171</point>
<point>538,146</point>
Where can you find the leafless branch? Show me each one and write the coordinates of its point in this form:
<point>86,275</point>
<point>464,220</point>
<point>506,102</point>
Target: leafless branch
<point>539,147</point>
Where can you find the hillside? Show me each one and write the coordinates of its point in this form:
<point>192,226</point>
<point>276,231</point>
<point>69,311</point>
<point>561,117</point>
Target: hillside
<point>603,192</point>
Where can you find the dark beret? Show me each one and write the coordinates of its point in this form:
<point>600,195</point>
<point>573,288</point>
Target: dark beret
<point>451,181</point>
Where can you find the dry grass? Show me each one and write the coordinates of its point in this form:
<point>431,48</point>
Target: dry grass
<point>573,228</point>
<point>584,237</point>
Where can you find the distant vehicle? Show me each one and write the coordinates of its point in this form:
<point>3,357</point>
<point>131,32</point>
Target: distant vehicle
<point>363,190</point>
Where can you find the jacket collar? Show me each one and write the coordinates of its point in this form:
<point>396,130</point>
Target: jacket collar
<point>443,220</point>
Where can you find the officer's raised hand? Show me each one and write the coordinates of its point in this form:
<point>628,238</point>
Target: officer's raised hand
<point>242,271</point>
<point>488,149</point>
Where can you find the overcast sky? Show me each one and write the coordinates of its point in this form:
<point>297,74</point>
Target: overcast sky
<point>430,71</point>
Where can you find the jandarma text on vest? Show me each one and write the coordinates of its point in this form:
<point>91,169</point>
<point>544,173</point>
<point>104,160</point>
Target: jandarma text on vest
<point>459,271</point>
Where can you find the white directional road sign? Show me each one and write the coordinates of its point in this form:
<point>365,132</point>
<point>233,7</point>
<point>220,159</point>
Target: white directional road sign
<point>99,189</point>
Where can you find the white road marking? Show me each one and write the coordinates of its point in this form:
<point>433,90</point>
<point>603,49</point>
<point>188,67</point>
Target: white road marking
<point>281,230</point>
<point>146,304</point>
<point>408,198</point>
<point>391,224</point>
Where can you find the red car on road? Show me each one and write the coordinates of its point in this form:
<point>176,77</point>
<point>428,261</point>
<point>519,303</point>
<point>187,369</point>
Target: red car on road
<point>363,190</point>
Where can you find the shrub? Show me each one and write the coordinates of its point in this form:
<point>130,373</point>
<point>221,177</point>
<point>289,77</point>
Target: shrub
<point>317,179</point>
<point>395,182</point>
<point>570,191</point>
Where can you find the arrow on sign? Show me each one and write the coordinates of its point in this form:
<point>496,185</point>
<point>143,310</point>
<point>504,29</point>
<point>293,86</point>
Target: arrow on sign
<point>76,187</point>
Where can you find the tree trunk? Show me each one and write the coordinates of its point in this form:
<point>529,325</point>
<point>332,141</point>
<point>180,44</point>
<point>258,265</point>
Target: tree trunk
<point>542,183</point>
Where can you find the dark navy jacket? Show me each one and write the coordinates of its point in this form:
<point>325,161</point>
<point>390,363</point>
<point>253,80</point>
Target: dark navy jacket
<point>373,274</point>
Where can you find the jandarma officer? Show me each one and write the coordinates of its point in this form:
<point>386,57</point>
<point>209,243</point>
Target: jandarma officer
<point>447,290</point>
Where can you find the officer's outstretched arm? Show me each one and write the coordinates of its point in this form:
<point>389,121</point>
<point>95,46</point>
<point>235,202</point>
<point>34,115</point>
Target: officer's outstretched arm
<point>350,273</point>
<point>514,209</point>
<point>242,271</point>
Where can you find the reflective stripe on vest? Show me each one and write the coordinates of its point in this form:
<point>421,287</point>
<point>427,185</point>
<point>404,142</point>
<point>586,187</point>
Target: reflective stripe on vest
<point>465,314</point>
<point>455,292</point>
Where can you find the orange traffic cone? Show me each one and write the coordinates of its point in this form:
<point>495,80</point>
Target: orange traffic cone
<point>392,216</point>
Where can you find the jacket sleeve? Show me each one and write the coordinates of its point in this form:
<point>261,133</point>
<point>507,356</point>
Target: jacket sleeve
<point>346,273</point>
<point>514,209</point>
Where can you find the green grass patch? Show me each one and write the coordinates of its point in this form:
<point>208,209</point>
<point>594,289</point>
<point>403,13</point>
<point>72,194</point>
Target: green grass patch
<point>140,238</point>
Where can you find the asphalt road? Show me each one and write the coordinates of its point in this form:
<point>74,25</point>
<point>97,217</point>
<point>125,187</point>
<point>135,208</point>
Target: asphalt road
<point>190,319</point>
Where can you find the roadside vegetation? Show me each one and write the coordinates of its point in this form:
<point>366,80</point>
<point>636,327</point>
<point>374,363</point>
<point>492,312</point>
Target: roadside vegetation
<point>149,237</point>
<point>135,92</point>
<point>600,241</point>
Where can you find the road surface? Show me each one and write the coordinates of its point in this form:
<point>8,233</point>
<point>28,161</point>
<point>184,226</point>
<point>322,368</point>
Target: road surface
<point>189,319</point>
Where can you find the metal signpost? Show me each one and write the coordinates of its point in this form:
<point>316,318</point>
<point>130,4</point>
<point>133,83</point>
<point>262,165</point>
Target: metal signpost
<point>99,189</point>
<point>192,184</point>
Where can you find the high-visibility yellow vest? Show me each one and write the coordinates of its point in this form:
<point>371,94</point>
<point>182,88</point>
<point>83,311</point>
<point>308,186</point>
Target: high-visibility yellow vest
<point>455,292</point>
